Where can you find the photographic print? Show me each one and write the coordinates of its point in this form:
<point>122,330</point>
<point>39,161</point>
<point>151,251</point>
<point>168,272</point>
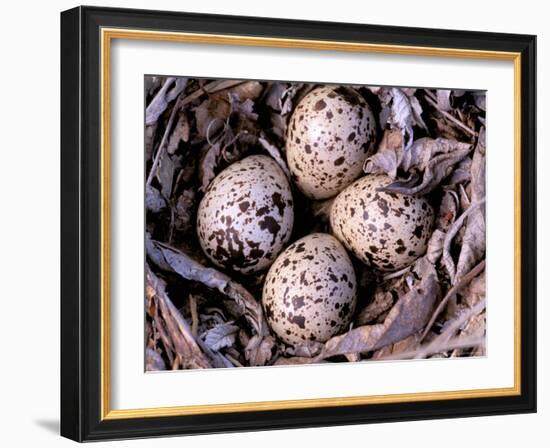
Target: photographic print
<point>292,223</point>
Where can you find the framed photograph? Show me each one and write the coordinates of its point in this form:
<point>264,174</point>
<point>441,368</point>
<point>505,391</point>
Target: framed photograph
<point>277,224</point>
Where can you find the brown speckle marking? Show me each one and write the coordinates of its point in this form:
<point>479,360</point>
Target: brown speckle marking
<point>320,105</point>
<point>339,161</point>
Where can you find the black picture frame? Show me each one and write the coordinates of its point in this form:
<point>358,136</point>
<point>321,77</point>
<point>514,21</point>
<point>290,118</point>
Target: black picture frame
<point>81,224</point>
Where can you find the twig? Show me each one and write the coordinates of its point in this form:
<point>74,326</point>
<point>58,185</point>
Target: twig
<point>183,341</point>
<point>396,274</point>
<point>233,360</point>
<point>461,284</point>
<point>171,88</point>
<point>163,142</point>
<point>429,349</point>
<point>194,315</point>
<point>168,346</point>
<point>450,117</point>
<point>444,337</point>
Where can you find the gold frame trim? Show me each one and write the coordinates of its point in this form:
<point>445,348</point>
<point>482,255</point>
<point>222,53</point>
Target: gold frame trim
<point>107,35</point>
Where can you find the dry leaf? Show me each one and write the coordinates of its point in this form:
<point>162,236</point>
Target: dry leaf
<point>397,113</point>
<point>179,134</point>
<point>153,361</point>
<point>165,173</point>
<point>435,158</point>
<point>389,156</point>
<point>221,336</point>
<point>208,165</point>
<point>154,202</point>
<point>185,209</point>
<point>444,99</point>
<point>435,246</point>
<point>170,90</point>
<point>243,302</point>
<point>382,302</point>
<point>179,331</point>
<point>473,242</point>
<point>408,316</point>
<point>259,350</point>
<point>274,152</point>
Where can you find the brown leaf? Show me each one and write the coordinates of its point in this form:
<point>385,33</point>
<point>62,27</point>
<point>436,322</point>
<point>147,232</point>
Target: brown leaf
<point>479,100</point>
<point>447,258</point>
<point>275,153</point>
<point>243,303</point>
<point>475,291</point>
<point>280,96</point>
<point>389,156</point>
<point>397,113</point>
<point>259,350</point>
<point>211,116</point>
<point>296,361</point>
<point>176,326</point>
<point>461,173</point>
<point>444,99</point>
<point>447,210</point>
<point>165,173</point>
<point>473,242</point>
<point>405,345</point>
<point>150,132</point>
<point>208,165</point>
<point>169,91</point>
<point>307,349</point>
<point>382,302</point>
<point>249,90</point>
<point>153,361</point>
<point>220,336</point>
<point>435,246</point>
<point>154,202</point>
<point>179,134</point>
<point>185,209</point>
<point>408,316</point>
<point>435,158</point>
<point>475,328</point>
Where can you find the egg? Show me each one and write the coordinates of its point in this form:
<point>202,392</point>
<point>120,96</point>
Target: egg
<point>246,216</point>
<point>384,230</point>
<point>329,136</point>
<point>309,292</point>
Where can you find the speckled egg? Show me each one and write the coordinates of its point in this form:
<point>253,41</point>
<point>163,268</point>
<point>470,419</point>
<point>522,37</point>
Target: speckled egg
<point>385,230</point>
<point>330,134</point>
<point>245,218</point>
<point>309,292</point>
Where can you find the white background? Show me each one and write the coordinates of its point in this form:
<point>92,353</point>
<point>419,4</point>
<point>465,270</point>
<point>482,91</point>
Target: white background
<point>29,227</point>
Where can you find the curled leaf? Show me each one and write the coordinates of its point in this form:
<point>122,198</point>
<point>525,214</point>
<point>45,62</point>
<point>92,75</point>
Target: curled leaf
<point>389,156</point>
<point>435,158</point>
<point>221,336</point>
<point>473,242</point>
<point>397,112</point>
